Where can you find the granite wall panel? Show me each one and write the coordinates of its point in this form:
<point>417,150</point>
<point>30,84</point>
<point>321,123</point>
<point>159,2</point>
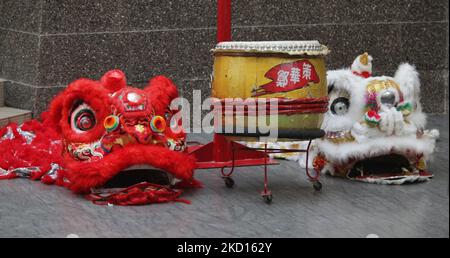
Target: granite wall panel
<point>19,56</point>
<point>21,15</point>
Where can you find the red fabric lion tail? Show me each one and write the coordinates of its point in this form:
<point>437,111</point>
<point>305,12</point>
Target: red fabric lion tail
<point>30,150</point>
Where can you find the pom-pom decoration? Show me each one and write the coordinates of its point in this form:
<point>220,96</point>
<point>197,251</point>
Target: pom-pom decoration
<point>158,124</point>
<point>111,123</point>
<point>372,117</point>
<point>405,108</point>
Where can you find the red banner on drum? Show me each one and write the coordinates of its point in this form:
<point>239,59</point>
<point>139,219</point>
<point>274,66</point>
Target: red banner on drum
<point>288,77</point>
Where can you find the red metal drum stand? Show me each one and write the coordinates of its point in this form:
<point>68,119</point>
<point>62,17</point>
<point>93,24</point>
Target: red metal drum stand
<point>227,155</point>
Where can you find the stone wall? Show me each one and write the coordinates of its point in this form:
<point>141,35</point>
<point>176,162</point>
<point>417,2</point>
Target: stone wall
<point>44,44</point>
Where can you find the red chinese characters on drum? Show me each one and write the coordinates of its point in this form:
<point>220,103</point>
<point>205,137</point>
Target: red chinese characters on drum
<point>288,77</point>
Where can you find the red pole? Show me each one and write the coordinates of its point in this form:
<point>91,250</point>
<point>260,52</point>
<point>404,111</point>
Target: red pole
<point>222,147</point>
<point>223,20</point>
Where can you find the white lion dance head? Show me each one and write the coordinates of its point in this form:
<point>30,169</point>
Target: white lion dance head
<point>375,126</point>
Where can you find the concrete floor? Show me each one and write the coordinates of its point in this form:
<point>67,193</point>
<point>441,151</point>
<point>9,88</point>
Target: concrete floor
<point>342,209</point>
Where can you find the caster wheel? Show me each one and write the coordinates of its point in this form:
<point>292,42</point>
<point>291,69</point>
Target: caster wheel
<point>229,182</point>
<point>317,186</point>
<point>268,198</point>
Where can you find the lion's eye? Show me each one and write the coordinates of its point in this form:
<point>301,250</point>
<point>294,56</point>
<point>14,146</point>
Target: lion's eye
<point>82,118</point>
<point>340,106</point>
<point>85,120</point>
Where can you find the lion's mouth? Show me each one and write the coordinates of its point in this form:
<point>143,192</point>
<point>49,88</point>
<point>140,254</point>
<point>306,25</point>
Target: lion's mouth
<point>389,160</point>
<point>135,175</point>
<point>387,169</point>
<point>389,166</point>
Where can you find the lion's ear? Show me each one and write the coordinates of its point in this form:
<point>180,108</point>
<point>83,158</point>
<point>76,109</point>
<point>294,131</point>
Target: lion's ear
<point>161,91</point>
<point>114,80</point>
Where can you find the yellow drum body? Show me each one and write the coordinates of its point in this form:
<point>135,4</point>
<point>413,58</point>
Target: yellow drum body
<point>293,72</point>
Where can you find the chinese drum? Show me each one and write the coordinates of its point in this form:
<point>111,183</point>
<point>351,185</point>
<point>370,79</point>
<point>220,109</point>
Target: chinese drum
<point>292,73</point>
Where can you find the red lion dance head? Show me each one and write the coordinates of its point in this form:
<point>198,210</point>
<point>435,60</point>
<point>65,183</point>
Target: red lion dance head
<point>115,143</point>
